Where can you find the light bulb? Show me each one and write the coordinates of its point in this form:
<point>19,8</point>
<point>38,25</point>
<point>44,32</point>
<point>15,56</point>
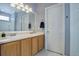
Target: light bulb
<point>26,6</point>
<point>30,9</point>
<point>18,7</point>
<point>27,11</point>
<point>13,5</point>
<point>23,9</point>
<point>21,5</point>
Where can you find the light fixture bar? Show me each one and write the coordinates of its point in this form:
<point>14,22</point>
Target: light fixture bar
<point>22,7</point>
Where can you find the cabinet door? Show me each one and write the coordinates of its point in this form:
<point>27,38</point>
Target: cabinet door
<point>10,49</point>
<point>26,47</point>
<point>0,50</point>
<point>41,42</point>
<point>34,45</point>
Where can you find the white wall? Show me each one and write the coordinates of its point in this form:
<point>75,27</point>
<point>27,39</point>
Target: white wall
<point>74,29</point>
<point>40,14</point>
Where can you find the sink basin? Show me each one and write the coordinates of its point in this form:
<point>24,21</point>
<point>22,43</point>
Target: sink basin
<point>32,32</point>
<point>13,34</point>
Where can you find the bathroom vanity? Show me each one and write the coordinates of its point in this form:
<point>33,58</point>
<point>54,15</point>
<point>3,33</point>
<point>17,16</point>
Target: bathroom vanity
<point>22,45</point>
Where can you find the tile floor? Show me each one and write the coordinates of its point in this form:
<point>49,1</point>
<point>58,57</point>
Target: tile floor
<point>47,53</point>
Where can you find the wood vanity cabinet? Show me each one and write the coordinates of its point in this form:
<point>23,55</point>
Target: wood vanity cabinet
<point>10,49</point>
<point>26,47</point>
<point>0,50</point>
<point>40,42</point>
<point>34,45</point>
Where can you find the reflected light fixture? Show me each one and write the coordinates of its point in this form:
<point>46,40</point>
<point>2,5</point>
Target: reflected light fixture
<point>27,11</point>
<point>13,5</point>
<point>22,7</point>
<point>18,7</point>
<point>26,7</point>
<point>30,9</point>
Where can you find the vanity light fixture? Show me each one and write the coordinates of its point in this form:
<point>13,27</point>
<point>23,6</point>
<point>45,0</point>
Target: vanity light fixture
<point>22,7</point>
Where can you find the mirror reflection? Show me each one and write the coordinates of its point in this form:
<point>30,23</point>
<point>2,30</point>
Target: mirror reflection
<point>16,17</point>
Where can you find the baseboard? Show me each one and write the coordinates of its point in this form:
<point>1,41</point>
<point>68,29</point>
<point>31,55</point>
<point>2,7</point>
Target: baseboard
<point>55,52</point>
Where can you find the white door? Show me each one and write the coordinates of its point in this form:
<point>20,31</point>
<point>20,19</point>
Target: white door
<point>55,28</point>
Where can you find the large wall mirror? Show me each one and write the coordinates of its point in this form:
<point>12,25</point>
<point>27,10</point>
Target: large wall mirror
<point>12,19</point>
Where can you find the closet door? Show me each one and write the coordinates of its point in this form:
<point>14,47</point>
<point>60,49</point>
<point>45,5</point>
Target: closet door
<point>55,28</point>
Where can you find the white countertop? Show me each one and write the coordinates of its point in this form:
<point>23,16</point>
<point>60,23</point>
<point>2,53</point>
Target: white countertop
<point>19,37</point>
